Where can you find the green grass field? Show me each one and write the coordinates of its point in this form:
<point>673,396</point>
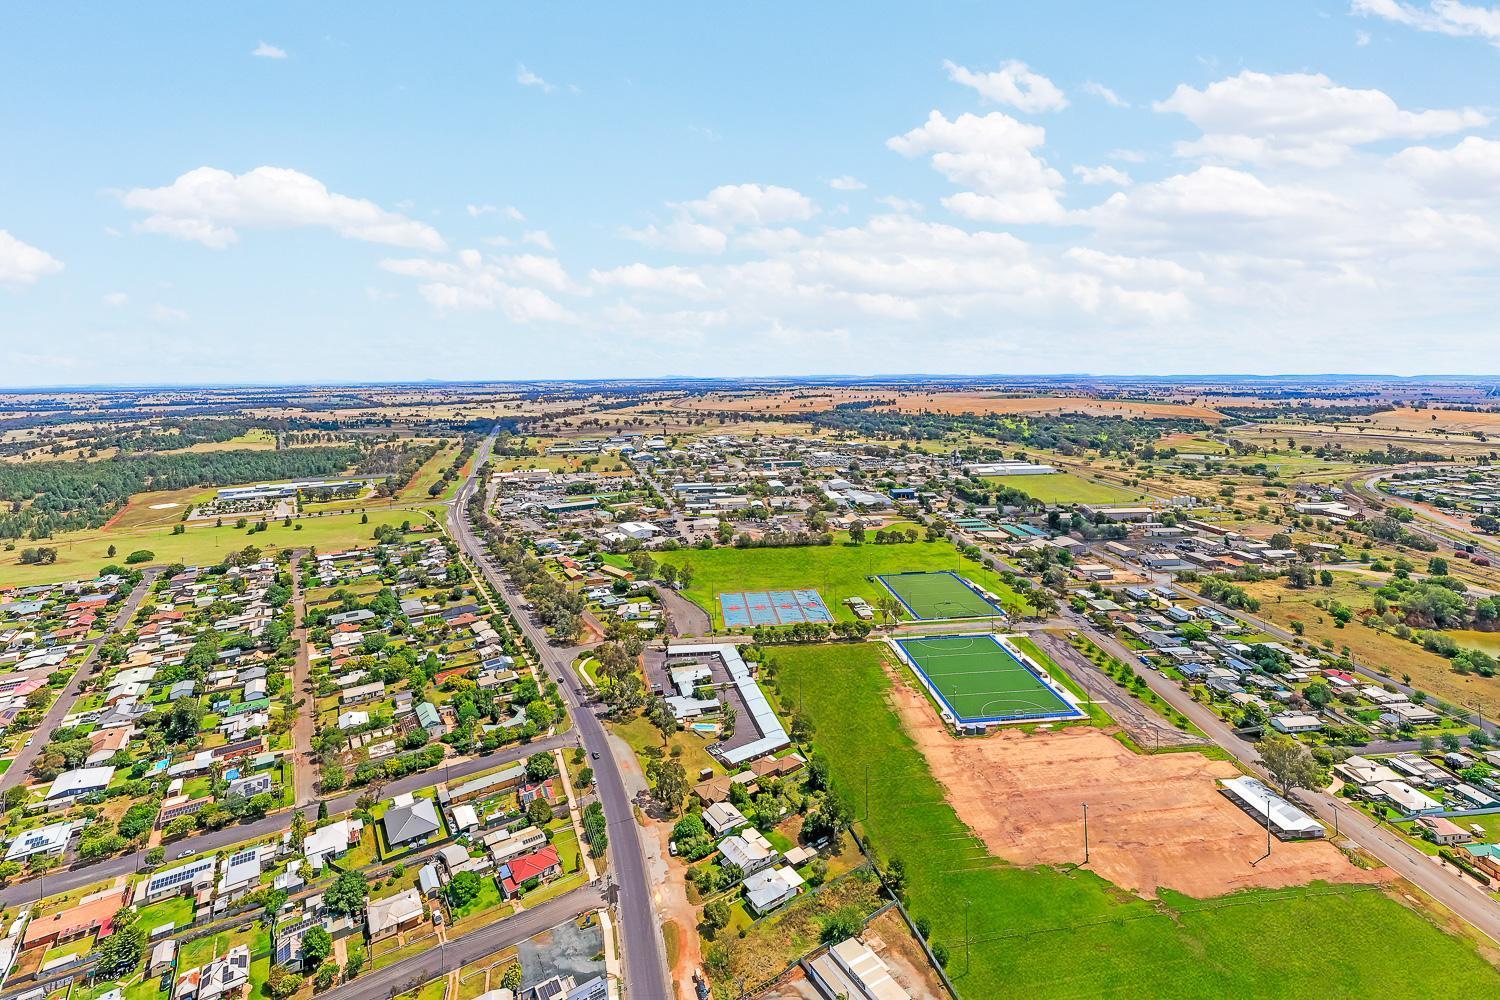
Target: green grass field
<point>1040,932</point>
<point>936,596</point>
<point>1064,487</point>
<point>836,571</point>
<point>81,554</point>
<point>980,679</point>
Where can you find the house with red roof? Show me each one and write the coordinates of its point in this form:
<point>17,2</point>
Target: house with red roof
<point>543,864</point>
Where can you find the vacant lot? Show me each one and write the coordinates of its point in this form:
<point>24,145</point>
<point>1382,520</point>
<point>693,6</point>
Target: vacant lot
<point>1155,821</point>
<point>836,571</point>
<point>1040,932</point>
<point>1063,487</point>
<point>160,507</point>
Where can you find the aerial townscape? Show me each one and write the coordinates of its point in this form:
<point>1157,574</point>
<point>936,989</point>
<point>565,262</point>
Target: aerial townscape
<point>771,501</point>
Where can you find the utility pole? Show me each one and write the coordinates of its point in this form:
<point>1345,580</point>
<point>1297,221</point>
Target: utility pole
<point>1268,835</point>
<point>867,793</point>
<point>1085,833</point>
<point>966,935</point>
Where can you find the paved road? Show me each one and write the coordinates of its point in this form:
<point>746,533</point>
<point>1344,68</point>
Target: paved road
<point>455,954</point>
<point>20,767</point>
<point>1463,896</point>
<point>642,945</point>
<point>63,879</point>
<point>302,727</point>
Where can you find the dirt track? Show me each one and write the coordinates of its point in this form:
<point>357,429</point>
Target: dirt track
<point>1154,821</point>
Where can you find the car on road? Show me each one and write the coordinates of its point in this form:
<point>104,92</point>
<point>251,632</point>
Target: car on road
<point>184,854</point>
<point>594,755</point>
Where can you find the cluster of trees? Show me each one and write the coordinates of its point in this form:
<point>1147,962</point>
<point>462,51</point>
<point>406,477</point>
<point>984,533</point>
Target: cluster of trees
<point>892,536</point>
<point>559,609</point>
<point>769,635</point>
<point>1066,433</point>
<point>397,462</point>
<point>455,468</point>
<point>398,766</point>
<point>1392,529</point>
<point>1218,589</point>
<point>595,829</point>
<point>50,497</point>
<point>782,539</point>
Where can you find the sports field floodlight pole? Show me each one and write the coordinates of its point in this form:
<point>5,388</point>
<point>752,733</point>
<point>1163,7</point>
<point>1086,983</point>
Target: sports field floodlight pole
<point>1085,833</point>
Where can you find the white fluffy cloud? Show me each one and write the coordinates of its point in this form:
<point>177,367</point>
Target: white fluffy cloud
<point>209,205</point>
<point>527,78</point>
<point>1013,84</point>
<point>1470,169</point>
<point>847,183</point>
<point>476,282</point>
<point>1103,174</point>
<point>732,205</point>
<point>993,156</point>
<point>22,263</point>
<point>681,236</point>
<point>1104,94</point>
<point>643,278</point>
<point>1447,17</point>
<point>1299,118</point>
<point>705,225</point>
<point>265,50</point>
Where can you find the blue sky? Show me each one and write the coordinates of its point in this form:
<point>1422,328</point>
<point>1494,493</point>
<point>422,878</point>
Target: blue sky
<point>290,192</point>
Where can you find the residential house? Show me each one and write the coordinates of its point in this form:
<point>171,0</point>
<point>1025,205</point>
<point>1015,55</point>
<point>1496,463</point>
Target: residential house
<point>400,912</point>
<point>1443,831</point>
<point>770,888</point>
<point>544,864</point>
<point>410,821</point>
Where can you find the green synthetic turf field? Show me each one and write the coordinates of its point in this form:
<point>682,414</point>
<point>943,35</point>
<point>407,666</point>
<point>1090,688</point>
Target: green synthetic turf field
<point>981,680</point>
<point>938,595</point>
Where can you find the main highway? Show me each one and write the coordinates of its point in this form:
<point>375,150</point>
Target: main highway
<point>640,931</point>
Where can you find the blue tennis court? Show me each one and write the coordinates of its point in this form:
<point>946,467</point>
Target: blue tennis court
<point>749,608</point>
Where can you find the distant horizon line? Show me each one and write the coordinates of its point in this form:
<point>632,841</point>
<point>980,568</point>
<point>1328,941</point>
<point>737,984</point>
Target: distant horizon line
<point>1315,377</point>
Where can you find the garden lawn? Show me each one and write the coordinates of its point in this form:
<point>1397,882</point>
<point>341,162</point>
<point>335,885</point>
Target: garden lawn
<point>1038,932</point>
<point>640,734</point>
<point>489,895</point>
<point>1064,487</point>
<point>176,911</point>
<point>836,571</point>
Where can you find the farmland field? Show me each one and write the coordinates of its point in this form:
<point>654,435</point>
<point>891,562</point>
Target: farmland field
<point>836,571</point>
<point>1064,487</point>
<point>1042,932</point>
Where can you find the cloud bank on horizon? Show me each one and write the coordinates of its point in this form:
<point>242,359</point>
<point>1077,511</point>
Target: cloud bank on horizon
<point>1027,212</point>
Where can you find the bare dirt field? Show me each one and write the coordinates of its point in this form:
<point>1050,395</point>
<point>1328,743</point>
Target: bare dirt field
<point>1154,821</point>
